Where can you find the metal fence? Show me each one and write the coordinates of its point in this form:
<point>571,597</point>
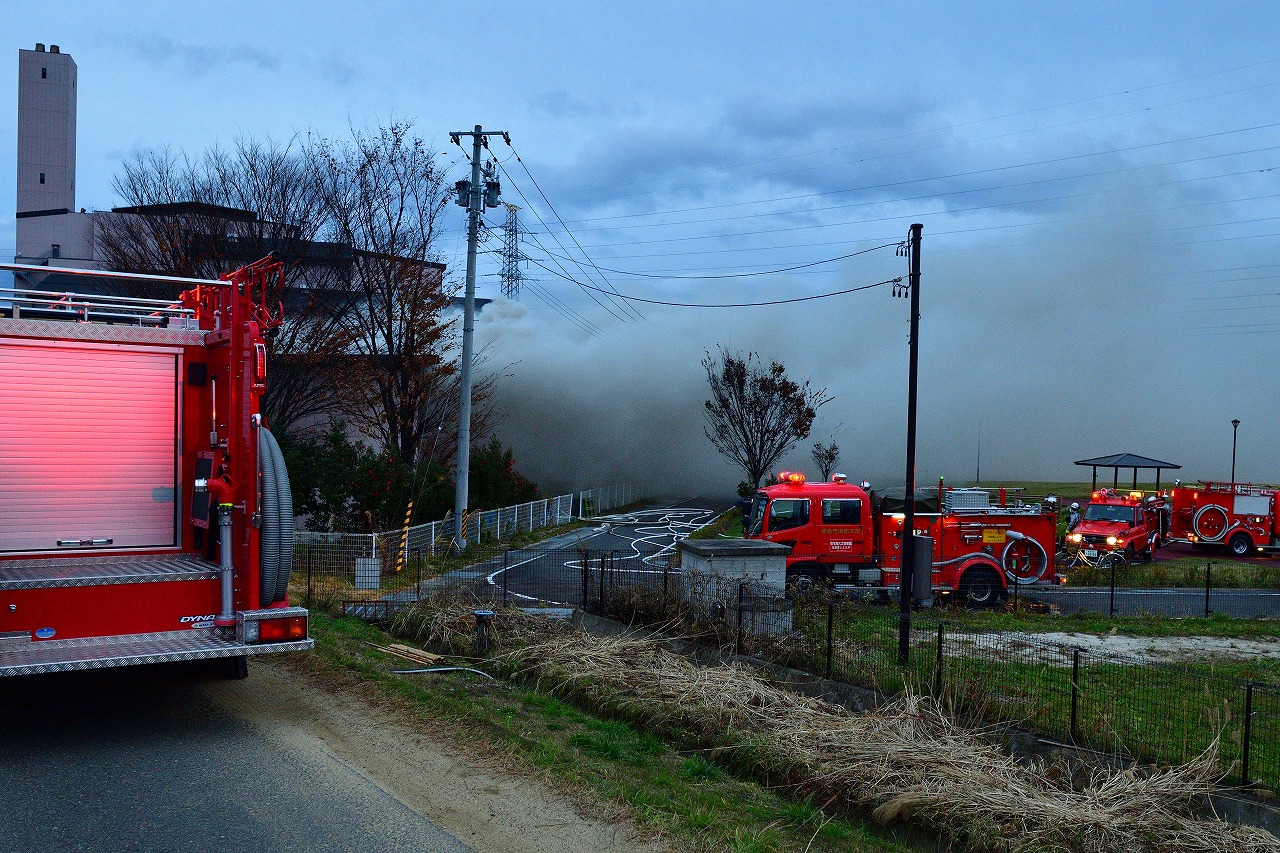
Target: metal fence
<point>605,498</point>
<point>1201,589</point>
<point>1135,705</point>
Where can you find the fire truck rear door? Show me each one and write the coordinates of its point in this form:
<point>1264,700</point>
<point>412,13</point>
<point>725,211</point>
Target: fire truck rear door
<point>87,446</point>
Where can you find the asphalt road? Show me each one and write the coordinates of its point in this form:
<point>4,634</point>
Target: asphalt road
<point>144,759</point>
<point>633,546</point>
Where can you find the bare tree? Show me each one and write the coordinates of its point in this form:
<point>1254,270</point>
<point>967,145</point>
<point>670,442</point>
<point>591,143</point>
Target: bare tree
<point>756,412</point>
<point>384,195</point>
<point>206,217</point>
<point>826,457</point>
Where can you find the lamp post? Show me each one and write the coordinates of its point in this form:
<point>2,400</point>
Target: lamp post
<point>1235,426</point>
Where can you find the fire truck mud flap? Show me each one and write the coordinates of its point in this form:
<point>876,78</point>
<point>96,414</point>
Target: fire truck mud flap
<point>22,656</point>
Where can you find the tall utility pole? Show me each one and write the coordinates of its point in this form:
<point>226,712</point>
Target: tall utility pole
<point>1235,427</point>
<point>512,257</point>
<point>475,197</point>
<point>909,511</point>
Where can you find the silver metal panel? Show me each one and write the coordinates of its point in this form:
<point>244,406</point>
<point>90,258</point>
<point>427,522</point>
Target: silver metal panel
<point>130,650</point>
<point>100,571</point>
<point>62,330</point>
<point>967,499</point>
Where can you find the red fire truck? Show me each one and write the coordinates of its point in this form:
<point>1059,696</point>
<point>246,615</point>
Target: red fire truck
<point>1241,517</point>
<point>851,537</point>
<point>145,512</point>
<point>1129,523</point>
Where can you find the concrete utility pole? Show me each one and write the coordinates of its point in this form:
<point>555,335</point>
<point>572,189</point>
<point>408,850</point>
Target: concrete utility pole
<point>475,197</point>
<point>909,511</point>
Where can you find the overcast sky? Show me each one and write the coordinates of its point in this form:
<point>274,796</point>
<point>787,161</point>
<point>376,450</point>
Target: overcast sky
<point>1097,184</point>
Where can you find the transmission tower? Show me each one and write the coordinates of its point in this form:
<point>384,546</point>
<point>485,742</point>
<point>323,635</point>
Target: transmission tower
<point>512,257</point>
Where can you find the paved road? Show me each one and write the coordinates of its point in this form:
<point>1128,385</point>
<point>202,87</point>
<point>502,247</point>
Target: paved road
<point>1170,602</point>
<point>633,546</point>
<point>144,759</point>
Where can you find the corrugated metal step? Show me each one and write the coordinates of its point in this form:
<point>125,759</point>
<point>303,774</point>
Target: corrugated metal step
<point>46,572</point>
<point>41,656</point>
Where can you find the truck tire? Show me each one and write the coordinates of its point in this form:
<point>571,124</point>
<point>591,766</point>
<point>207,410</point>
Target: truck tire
<point>1240,545</point>
<point>803,583</point>
<point>237,667</point>
<point>1210,523</point>
<point>980,586</point>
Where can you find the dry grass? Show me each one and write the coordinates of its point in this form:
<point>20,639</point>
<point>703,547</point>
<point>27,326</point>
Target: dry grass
<point>907,761</point>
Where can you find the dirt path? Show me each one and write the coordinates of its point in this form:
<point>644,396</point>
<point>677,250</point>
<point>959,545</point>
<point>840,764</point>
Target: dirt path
<point>467,793</point>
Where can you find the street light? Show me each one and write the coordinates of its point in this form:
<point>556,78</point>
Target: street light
<point>1235,426</point>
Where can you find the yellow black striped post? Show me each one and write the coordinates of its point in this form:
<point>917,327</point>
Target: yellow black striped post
<point>404,538</point>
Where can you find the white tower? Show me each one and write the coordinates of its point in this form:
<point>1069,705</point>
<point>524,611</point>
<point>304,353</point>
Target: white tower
<point>46,132</point>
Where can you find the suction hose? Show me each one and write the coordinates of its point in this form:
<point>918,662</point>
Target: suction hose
<point>269,541</point>
<point>284,518</point>
<point>1032,546</point>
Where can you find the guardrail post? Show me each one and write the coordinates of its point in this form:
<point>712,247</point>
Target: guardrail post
<point>1208,585</point>
<point>831,621</point>
<point>1248,730</point>
<point>1111,606</point>
<point>1075,691</point>
<point>937,666</point>
<point>737,640</point>
<point>666,576</point>
<point>506,563</point>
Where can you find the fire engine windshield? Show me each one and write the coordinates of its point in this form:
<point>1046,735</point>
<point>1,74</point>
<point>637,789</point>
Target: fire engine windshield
<point>1104,512</point>
<point>787,513</point>
<point>755,519</point>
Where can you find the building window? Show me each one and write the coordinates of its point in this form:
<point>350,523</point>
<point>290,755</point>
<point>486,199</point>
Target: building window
<point>44,73</point>
<point>42,177</point>
<point>55,250</point>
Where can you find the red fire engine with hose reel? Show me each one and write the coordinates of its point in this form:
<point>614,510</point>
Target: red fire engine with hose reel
<point>1240,517</point>
<point>850,536</point>
<point>145,510</point>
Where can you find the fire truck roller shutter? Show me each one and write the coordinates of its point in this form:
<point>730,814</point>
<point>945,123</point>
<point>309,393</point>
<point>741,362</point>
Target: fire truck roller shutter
<point>284,501</point>
<point>1206,518</point>
<point>1036,565</point>
<point>88,445</point>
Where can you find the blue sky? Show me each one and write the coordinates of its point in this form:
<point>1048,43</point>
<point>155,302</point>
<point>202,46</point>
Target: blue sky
<point>1099,236</point>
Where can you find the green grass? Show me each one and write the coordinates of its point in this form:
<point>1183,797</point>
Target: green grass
<point>728,525</point>
<point>681,792</point>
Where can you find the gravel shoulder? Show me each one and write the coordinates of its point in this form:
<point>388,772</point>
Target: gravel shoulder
<point>458,783</point>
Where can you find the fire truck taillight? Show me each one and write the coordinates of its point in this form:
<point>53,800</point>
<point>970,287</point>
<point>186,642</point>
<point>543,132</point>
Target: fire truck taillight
<point>281,630</point>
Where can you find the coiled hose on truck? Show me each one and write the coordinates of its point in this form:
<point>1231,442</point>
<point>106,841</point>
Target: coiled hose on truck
<point>276,543</point>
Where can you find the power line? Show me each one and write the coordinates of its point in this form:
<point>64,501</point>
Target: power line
<point>755,273</point>
<point>950,127</point>
<point>629,298</point>
<point>556,213</point>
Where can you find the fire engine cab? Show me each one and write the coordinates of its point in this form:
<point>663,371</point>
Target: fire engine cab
<point>851,537</point>
<point>1129,523</point>
<point>1241,517</point>
<point>145,511</point>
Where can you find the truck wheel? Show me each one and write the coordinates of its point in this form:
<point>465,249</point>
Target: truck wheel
<point>1240,545</point>
<point>1129,554</point>
<point>802,584</point>
<point>980,587</point>
<point>237,667</point>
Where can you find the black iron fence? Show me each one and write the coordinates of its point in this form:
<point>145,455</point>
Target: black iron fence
<point>1183,588</point>
<point>1139,699</point>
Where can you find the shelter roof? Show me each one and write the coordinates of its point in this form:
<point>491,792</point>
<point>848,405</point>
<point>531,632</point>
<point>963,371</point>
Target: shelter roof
<point>1126,460</point>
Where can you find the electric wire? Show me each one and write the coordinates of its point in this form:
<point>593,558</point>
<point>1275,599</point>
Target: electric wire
<point>556,213</point>
<point>754,273</point>
<point>950,127</point>
<point>810,298</point>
